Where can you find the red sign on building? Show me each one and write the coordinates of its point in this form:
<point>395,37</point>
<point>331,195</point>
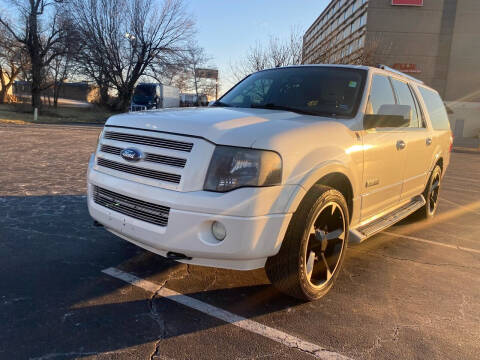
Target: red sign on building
<point>407,68</point>
<point>408,2</point>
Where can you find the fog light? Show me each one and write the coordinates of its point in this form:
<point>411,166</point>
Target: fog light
<point>218,230</point>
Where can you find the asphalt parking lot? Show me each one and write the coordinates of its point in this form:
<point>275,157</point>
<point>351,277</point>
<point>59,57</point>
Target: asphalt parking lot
<point>412,292</point>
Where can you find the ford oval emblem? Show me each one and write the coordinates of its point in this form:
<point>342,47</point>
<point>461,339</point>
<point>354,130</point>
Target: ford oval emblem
<point>131,154</point>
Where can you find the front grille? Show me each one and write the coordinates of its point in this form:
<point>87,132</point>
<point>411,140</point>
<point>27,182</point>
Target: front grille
<point>159,159</point>
<point>152,174</point>
<point>148,140</point>
<point>138,209</point>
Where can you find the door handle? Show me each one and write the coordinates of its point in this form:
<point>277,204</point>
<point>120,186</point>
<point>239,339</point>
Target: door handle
<point>401,145</point>
<point>428,141</point>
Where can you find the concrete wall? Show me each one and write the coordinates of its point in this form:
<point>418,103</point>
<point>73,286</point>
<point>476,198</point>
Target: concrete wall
<point>413,35</point>
<point>466,115</point>
<point>463,80</point>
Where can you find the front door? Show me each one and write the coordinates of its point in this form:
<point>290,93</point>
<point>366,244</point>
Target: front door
<point>384,155</point>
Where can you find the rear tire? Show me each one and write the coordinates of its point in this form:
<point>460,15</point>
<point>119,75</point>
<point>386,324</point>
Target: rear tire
<point>313,250</point>
<point>431,195</point>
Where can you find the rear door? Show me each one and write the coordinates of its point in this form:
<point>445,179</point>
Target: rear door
<point>384,155</point>
<point>418,139</point>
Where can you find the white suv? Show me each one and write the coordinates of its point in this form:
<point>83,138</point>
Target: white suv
<point>281,172</point>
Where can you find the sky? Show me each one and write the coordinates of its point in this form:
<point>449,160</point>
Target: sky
<point>226,29</point>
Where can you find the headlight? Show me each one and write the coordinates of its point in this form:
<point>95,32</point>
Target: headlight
<point>233,167</point>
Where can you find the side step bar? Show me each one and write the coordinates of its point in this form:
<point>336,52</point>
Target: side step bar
<point>365,231</point>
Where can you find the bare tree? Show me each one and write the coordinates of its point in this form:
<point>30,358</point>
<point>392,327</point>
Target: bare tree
<point>59,71</point>
<point>40,27</point>
<point>209,87</point>
<point>275,53</point>
<point>181,71</point>
<point>122,38</point>
<point>171,71</point>
<point>62,66</point>
<point>195,58</point>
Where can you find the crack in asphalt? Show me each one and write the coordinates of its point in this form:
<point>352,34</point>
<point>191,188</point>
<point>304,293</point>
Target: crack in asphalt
<point>155,314</point>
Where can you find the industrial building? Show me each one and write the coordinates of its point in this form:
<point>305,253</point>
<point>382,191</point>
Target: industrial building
<point>437,41</point>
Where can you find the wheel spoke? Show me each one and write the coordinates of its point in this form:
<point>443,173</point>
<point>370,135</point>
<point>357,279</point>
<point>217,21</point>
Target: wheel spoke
<point>435,184</point>
<point>336,234</point>
<point>310,263</point>
<point>334,207</point>
<point>327,267</point>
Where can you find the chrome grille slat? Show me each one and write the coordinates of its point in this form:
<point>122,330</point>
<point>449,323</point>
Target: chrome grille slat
<point>160,159</point>
<point>106,193</point>
<point>135,170</point>
<point>150,141</point>
<point>167,160</point>
<point>142,210</point>
<point>111,149</point>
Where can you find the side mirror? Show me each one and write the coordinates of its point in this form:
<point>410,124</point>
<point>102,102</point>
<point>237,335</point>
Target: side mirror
<point>389,116</point>
<point>210,103</point>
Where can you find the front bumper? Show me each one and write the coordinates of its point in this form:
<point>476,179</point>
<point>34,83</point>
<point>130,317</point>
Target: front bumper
<point>255,218</point>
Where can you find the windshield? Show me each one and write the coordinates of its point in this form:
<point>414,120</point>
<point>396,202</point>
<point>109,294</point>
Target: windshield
<point>145,90</point>
<point>331,91</point>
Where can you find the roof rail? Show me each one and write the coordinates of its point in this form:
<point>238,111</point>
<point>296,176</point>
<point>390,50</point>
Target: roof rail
<point>395,71</point>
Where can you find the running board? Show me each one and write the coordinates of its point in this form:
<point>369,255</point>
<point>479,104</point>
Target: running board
<point>365,231</point>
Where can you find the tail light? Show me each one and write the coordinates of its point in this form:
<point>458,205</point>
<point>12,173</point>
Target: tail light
<point>451,142</point>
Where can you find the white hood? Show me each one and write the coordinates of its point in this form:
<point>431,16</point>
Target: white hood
<point>225,126</point>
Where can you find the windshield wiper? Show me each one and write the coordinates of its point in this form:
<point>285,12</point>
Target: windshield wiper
<point>219,103</point>
<point>271,106</point>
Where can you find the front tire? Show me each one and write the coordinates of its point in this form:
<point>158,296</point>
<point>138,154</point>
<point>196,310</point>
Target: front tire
<point>313,250</point>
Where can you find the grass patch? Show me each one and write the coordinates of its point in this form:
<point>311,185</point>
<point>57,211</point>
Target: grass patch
<point>23,113</point>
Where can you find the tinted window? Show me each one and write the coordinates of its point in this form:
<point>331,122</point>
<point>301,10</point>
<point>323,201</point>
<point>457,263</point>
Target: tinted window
<point>404,96</point>
<point>145,90</point>
<point>308,89</point>
<point>435,108</point>
<point>381,93</point>
<point>256,93</point>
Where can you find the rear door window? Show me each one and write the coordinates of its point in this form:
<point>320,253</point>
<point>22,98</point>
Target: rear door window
<point>404,96</point>
<point>436,109</point>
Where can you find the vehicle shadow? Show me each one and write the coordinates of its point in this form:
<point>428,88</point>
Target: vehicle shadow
<point>54,294</point>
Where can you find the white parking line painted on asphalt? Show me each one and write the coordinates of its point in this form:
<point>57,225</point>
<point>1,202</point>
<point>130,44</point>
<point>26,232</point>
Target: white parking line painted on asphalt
<point>450,246</point>
<point>246,324</point>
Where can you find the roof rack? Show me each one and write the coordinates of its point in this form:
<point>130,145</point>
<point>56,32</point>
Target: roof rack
<point>387,68</point>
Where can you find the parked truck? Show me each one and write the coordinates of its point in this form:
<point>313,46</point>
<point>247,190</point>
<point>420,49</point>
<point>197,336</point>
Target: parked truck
<point>155,96</point>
